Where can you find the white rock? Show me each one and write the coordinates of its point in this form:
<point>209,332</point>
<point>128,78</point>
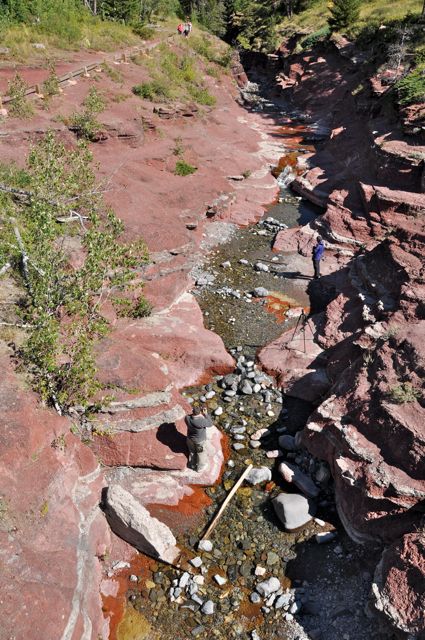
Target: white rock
<point>210,394</point>
<point>293,510</point>
<point>220,580</point>
<point>218,411</point>
<point>268,587</point>
<point>208,608</point>
<point>184,580</point>
<point>205,545</point>
<point>196,562</point>
<point>117,566</point>
<point>275,453</point>
<point>320,522</point>
<point>260,571</point>
<point>200,580</point>
<point>259,474</point>
<point>226,264</point>
<point>133,578</point>
<point>254,444</point>
<point>271,413</point>
<point>132,522</point>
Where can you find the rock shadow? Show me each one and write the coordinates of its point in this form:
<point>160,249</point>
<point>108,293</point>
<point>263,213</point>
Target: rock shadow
<point>169,435</point>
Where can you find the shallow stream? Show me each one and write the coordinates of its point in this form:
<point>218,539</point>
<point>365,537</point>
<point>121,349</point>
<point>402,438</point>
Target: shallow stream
<point>322,580</point>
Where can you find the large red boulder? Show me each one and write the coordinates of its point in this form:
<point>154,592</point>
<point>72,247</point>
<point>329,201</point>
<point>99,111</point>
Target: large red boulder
<point>399,585</point>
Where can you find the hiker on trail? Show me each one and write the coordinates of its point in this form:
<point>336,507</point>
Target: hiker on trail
<point>317,255</point>
<point>197,424</point>
<point>187,28</point>
<point>180,28</point>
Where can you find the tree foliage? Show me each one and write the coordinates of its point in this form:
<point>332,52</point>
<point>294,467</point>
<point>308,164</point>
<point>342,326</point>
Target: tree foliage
<point>344,13</point>
<point>63,303</point>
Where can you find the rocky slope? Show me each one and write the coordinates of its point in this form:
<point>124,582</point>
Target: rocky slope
<point>364,371</point>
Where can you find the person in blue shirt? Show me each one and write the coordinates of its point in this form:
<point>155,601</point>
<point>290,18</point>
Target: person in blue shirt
<point>318,251</point>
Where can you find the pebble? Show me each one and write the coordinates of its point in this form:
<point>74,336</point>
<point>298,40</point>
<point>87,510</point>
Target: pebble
<point>273,454</point>
<point>260,266</point>
<point>320,522</point>
<point>198,630</point>
<point>205,545</point>
<point>260,292</point>
<point>230,392</point>
<point>255,598</point>
<point>196,562</point>
<point>199,580</point>
<point>271,413</point>
<point>268,587</point>
<point>220,580</point>
<point>326,536</point>
<point>259,571</point>
<point>256,388</point>
<point>184,580</point>
<point>239,436</point>
<point>231,463</point>
<point>238,446</point>
<point>282,601</point>
<point>243,261</point>
<point>218,411</point>
<point>254,444</point>
<point>245,388</point>
<point>210,395</point>
<point>272,558</point>
<point>289,617</point>
<point>133,578</point>
<point>254,635</point>
<point>259,474</point>
<point>226,264</point>
<point>208,608</point>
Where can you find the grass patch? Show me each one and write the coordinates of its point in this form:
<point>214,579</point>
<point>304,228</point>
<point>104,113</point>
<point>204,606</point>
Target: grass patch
<point>114,74</point>
<point>411,88</point>
<point>183,168</point>
<point>173,76</point>
<point>404,393</point>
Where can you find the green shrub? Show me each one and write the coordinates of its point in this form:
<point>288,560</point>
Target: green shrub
<point>404,393</point>
<point>143,31</point>
<point>314,38</point>
<point>51,84</point>
<point>19,107</point>
<point>85,124</point>
<point>184,169</point>
<point>201,96</point>
<point>411,88</point>
<point>154,90</point>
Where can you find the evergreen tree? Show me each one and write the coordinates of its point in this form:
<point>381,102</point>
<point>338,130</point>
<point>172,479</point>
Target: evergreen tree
<point>344,13</point>
<point>126,10</point>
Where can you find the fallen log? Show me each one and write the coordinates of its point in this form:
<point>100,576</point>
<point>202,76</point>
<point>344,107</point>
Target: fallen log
<point>225,503</point>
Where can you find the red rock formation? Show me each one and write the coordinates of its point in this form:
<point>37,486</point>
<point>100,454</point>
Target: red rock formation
<point>399,585</point>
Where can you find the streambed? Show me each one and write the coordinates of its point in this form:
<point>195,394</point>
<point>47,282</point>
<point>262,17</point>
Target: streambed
<point>320,581</point>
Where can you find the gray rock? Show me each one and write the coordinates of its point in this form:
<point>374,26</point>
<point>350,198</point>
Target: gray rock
<point>325,537</point>
<point>198,630</point>
<point>230,393</point>
<point>260,292</point>
<point>292,474</point>
<point>260,266</point>
<point>245,388</point>
<point>230,380</point>
<point>243,261</point>
<point>238,446</point>
<point>260,474</point>
<point>210,394</point>
<point>282,601</point>
<point>256,388</point>
<point>268,587</point>
<point>272,558</point>
<point>255,597</point>
<point>287,442</point>
<point>293,510</point>
<point>184,580</point>
<point>132,522</point>
<point>208,608</point>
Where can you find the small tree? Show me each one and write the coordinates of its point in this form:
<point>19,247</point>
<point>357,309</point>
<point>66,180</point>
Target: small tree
<point>344,13</point>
